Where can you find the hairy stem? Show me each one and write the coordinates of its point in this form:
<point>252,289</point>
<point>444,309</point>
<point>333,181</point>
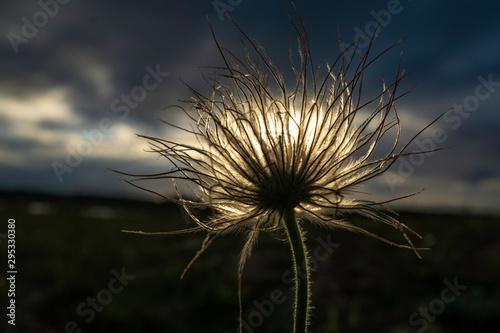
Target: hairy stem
<point>301,269</point>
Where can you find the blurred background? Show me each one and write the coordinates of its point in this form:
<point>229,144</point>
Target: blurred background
<point>79,79</point>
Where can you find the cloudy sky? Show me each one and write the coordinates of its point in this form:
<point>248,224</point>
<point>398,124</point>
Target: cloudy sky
<point>78,79</point>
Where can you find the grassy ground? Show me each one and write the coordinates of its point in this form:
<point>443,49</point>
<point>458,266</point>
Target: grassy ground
<point>69,251</point>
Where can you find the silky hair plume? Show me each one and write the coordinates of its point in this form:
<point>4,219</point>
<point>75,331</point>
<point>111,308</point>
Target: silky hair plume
<point>273,155</point>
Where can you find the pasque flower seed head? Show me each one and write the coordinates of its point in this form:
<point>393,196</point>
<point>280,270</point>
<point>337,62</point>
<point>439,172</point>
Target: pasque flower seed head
<point>268,148</point>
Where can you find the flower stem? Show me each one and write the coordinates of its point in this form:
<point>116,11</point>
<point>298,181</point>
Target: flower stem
<point>301,269</point>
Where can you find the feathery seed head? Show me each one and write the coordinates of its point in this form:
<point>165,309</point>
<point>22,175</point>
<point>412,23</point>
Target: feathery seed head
<point>265,149</point>
<point>271,154</point>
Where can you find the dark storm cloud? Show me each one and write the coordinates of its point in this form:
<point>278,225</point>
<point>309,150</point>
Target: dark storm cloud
<point>24,146</point>
<point>96,53</point>
<point>55,125</point>
<point>109,37</point>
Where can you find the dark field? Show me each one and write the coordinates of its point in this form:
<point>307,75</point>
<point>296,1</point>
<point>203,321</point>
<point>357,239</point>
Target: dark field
<point>70,251</point>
